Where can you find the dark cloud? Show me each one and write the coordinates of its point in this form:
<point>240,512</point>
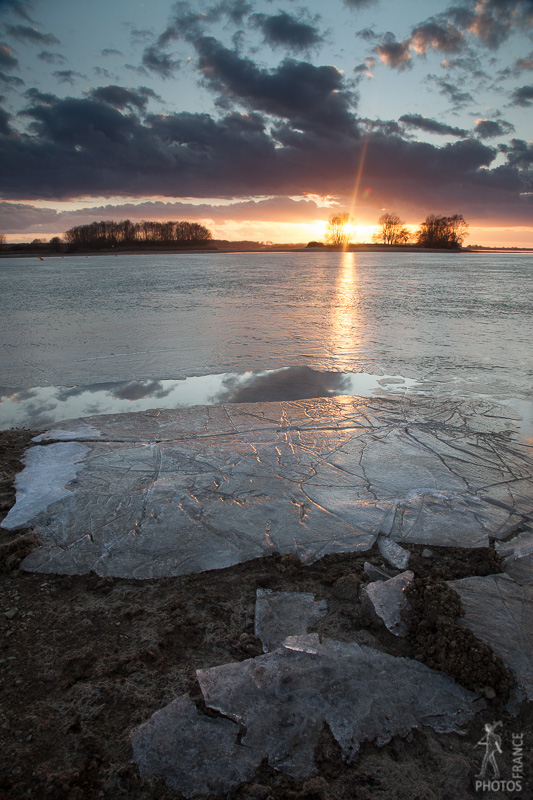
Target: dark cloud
<point>393,53</point>
<point>525,63</point>
<point>454,94</point>
<point>311,97</point>
<point>359,3</point>
<point>490,129</point>
<point>438,36</point>
<point>7,59</point>
<point>367,34</point>
<point>110,51</point>
<point>431,125</point>
<point>4,122</point>
<point>36,96</point>
<point>121,97</point>
<point>286,30</point>
<point>519,154</point>
<point>17,6</point>
<point>10,80</point>
<point>523,96</point>
<point>493,20</point>
<point>292,383</point>
<point>66,76</point>
<point>155,60</point>
<point>27,33</point>
<point>86,147</point>
<point>51,58</point>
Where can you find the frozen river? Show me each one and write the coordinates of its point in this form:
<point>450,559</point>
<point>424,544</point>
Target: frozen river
<point>100,334</point>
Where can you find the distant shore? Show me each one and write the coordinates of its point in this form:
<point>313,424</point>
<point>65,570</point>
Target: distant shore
<point>282,248</point>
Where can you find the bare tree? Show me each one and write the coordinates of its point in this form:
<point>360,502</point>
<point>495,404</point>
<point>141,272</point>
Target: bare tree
<point>392,230</point>
<point>338,229</point>
<point>2,240</point>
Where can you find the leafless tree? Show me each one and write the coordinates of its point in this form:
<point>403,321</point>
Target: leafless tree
<point>338,229</point>
<point>392,230</point>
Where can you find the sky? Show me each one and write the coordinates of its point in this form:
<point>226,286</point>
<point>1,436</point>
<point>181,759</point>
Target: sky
<point>260,119</point>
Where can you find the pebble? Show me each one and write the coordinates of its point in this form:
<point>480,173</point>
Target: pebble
<point>11,613</point>
<point>427,553</point>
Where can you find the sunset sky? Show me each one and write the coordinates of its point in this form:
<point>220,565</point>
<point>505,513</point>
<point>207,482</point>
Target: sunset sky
<point>260,118</point>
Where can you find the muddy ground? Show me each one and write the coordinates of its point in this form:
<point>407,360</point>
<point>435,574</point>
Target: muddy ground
<point>85,659</point>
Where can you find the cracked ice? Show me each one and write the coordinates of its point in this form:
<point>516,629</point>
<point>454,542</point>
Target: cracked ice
<point>163,493</point>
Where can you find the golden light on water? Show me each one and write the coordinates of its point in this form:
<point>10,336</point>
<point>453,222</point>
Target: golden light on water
<point>345,312</point>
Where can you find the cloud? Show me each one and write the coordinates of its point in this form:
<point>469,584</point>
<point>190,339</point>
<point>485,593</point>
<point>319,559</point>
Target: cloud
<point>359,3</point>
<point>85,146</point>
<point>285,30</point>
<point>393,53</point>
<point>17,6</point>
<point>121,97</point>
<point>457,97</point>
<point>66,76</point>
<point>162,64</point>
<point>525,63</point>
<point>519,154</point>
<point>4,122</point>
<point>438,36</point>
<point>10,80</point>
<point>36,96</point>
<point>51,58</point>
<point>313,98</point>
<point>110,51</point>
<point>523,96</point>
<point>490,129</point>
<point>431,125</point>
<point>27,33</point>
<point>7,59</point>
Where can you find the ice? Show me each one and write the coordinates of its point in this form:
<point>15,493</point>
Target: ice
<point>282,614</point>
<point>517,547</point>
<point>521,570</point>
<point>395,555</point>
<point>44,479</point>
<point>386,599</point>
<point>195,753</point>
<point>283,699</point>
<point>162,493</point>
<point>275,706</point>
<point>500,612</point>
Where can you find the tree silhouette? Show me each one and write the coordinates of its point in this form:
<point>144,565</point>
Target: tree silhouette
<point>392,230</point>
<point>338,229</point>
<point>442,232</point>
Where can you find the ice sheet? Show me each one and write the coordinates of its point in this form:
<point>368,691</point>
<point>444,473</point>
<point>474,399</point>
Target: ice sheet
<point>171,492</point>
<point>500,612</point>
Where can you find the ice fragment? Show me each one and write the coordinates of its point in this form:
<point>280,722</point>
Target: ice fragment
<point>282,614</point>
<point>387,600</point>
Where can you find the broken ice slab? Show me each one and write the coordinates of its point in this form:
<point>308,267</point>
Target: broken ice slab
<point>387,600</point>
<point>521,570</point>
<point>517,547</point>
<point>395,555</point>
<point>161,493</point>
<point>195,754</point>
<point>500,612</point>
<point>283,698</point>
<point>282,614</point>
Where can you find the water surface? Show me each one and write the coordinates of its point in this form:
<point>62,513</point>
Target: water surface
<point>455,324</point>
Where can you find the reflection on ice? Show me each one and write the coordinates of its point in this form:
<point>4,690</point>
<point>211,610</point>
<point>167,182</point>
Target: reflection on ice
<point>46,405</point>
<point>174,492</point>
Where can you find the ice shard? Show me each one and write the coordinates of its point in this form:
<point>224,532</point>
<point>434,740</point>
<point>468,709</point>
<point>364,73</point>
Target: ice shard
<point>282,614</point>
<point>387,600</point>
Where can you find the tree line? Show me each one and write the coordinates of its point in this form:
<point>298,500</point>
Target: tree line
<point>124,234</point>
<point>441,232</point>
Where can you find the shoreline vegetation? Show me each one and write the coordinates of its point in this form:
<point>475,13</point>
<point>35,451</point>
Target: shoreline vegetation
<point>108,237</point>
<point>214,247</point>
